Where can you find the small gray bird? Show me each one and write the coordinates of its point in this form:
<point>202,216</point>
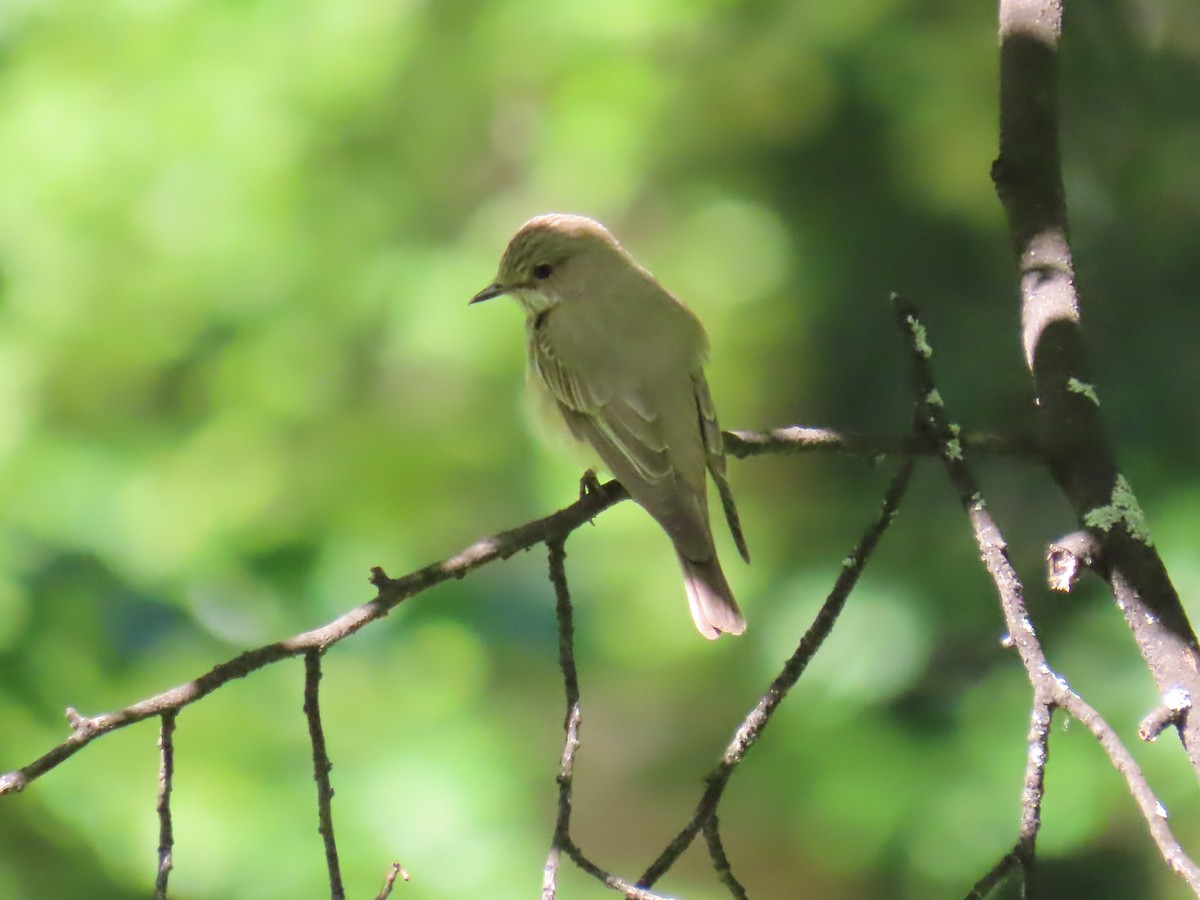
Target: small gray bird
<point>619,362</point>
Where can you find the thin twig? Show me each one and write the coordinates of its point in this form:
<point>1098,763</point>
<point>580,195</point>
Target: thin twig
<point>564,615</point>
<point>1150,806</point>
<point>550,873</point>
<point>931,416</point>
<point>803,439</point>
<point>395,870</point>
<point>613,882</point>
<point>166,776</point>
<point>321,769</point>
<point>759,717</point>
<point>720,861</point>
<point>1175,707</point>
<point>562,841</point>
<point>1021,857</point>
<point>1034,788</point>
<point>994,876</point>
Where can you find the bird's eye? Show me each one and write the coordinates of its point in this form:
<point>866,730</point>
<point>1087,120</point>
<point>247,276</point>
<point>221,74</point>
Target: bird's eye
<point>542,271</point>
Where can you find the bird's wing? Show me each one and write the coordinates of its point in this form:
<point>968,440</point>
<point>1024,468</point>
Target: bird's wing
<point>630,437</point>
<point>714,447</point>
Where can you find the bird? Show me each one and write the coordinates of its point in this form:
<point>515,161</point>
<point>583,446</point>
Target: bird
<point>619,361</point>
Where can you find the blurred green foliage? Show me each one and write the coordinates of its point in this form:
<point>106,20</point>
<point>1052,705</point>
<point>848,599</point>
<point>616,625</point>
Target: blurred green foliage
<point>237,369</point>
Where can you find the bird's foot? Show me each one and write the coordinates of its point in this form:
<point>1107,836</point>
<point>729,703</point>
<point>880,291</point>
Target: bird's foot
<point>588,483</point>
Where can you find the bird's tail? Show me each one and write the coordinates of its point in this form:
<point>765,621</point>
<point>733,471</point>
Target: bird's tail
<point>714,610</point>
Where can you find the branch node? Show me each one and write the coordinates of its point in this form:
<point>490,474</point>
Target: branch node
<point>395,870</point>
<point>80,724</point>
<point>588,483</point>
<point>1173,711</point>
<point>1067,557</point>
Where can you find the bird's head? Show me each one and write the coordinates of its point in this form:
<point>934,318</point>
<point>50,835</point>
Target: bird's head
<point>552,259</point>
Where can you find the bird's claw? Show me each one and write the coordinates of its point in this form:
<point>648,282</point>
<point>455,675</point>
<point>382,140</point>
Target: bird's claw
<point>588,483</point>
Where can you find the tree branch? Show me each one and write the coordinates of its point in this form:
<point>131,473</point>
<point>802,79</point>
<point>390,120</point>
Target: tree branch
<point>1050,689</point>
<point>803,439</point>
<point>166,775</point>
<point>716,852</point>
<point>321,769</point>
<point>395,870</point>
<point>564,614</point>
<point>1028,180</point>
<point>391,592</point>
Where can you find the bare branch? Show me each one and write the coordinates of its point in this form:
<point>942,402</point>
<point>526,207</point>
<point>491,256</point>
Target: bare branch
<point>1021,857</point>
<point>1175,705</point>
<point>932,418</point>
<point>1028,179</point>
<point>995,876</point>
<point>716,852</point>
<point>1034,788</point>
<point>1068,558</point>
<point>166,775</point>
<point>613,882</point>
<point>1150,806</point>
<point>391,592</point>
<point>321,769</point>
<point>395,870</point>
<point>550,873</point>
<point>565,615</point>
<point>562,841</point>
<point>566,661</point>
<point>802,439</point>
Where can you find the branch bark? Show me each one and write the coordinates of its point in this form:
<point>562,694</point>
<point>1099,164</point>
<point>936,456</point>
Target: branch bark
<point>166,776</point>
<point>321,769</point>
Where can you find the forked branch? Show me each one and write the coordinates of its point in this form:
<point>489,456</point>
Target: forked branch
<point>1050,690</point>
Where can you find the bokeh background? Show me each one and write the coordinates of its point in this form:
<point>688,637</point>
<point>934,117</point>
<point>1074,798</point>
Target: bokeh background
<point>237,369</point>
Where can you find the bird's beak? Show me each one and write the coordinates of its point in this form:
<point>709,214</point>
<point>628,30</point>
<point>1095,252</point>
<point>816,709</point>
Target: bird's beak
<point>492,290</point>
